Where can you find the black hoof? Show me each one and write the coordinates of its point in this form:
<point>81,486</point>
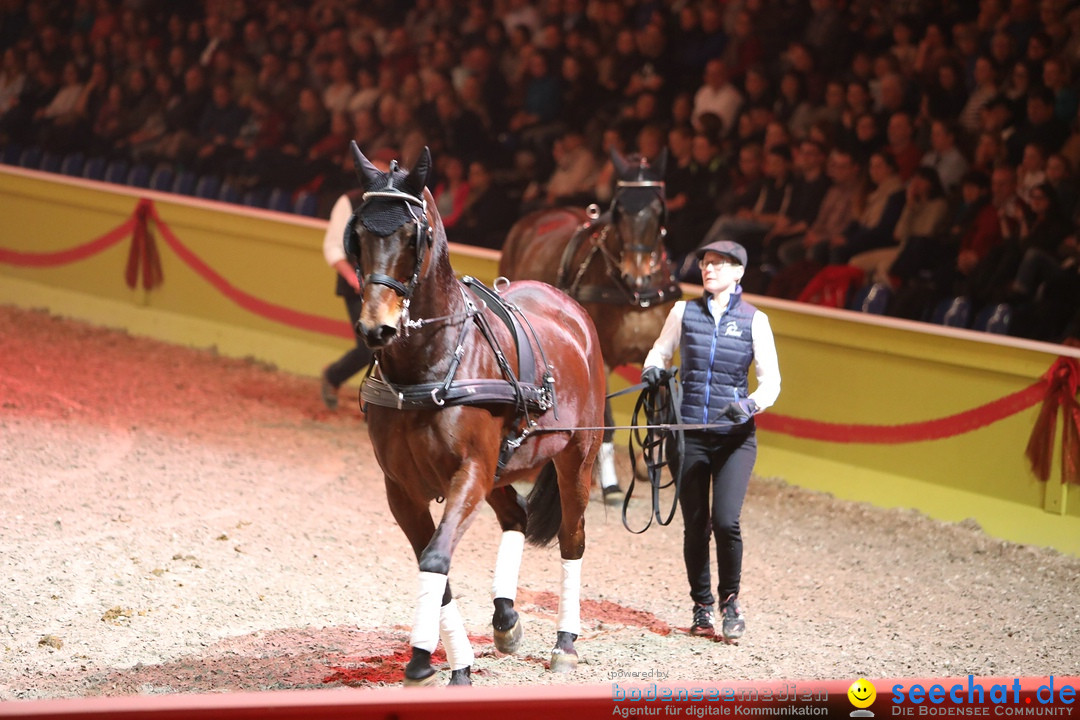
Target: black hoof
<point>460,677</point>
<point>509,641</point>
<point>419,672</point>
<point>564,657</point>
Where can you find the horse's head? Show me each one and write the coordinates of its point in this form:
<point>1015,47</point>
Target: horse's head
<point>638,212</point>
<point>388,240</point>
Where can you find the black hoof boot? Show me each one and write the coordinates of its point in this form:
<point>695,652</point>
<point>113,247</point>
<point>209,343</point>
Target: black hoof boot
<point>419,671</point>
<point>460,677</point>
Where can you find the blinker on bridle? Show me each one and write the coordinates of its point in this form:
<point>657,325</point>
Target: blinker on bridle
<point>657,185</point>
<point>423,236</point>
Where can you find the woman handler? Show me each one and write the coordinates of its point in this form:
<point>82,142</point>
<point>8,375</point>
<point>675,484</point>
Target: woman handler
<point>718,335</point>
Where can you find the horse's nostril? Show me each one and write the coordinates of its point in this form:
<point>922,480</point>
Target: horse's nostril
<point>386,332</point>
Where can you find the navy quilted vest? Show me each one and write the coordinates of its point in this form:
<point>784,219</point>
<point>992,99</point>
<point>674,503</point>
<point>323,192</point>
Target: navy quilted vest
<point>716,359</point>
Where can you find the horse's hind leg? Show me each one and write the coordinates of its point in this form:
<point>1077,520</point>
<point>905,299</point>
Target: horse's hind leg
<point>575,477</point>
<point>505,622</point>
<point>609,481</point>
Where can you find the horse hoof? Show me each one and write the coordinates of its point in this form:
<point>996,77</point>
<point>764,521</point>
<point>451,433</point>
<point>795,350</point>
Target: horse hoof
<point>418,672</point>
<point>461,677</point>
<point>563,661</point>
<point>614,496</point>
<point>508,641</point>
<point>425,681</point>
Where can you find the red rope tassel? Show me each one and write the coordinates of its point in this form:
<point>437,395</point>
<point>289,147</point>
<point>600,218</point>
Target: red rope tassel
<point>143,253</point>
<point>1063,381</point>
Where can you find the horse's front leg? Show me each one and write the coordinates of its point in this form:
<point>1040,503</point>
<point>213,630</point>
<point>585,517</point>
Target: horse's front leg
<point>436,612</point>
<point>415,520</point>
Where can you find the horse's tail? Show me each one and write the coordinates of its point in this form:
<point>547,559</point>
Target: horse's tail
<point>544,508</point>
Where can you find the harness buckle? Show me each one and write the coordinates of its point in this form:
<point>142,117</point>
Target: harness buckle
<point>435,397</point>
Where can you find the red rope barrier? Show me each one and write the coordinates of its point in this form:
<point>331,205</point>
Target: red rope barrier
<point>271,311</point>
<point>63,257</point>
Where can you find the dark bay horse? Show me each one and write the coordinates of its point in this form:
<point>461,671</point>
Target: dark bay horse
<point>462,402</point>
<point>615,264</point>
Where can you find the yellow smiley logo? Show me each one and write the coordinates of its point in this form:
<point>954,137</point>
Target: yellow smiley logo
<point>862,693</point>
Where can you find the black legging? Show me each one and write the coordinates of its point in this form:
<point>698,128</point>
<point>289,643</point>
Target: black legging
<point>723,462</point>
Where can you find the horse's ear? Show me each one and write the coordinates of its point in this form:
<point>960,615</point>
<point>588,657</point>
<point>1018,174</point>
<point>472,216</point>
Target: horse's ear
<point>661,163</point>
<point>621,166</point>
<point>417,178</point>
<point>365,171</point>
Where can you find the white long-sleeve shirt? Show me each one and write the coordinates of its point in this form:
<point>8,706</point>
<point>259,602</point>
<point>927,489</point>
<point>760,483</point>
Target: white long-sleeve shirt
<point>333,246</point>
<point>766,364</point>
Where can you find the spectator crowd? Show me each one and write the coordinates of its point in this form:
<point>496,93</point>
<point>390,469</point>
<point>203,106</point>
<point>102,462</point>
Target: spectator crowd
<point>929,147</point>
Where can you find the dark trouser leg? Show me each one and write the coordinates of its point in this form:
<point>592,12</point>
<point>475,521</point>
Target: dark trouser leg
<point>694,502</point>
<point>732,463</point>
<point>355,359</point>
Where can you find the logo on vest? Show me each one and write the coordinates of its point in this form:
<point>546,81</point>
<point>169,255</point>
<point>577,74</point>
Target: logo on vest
<point>732,330</point>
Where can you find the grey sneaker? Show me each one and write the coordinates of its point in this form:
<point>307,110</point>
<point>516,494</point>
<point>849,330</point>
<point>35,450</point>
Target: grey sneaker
<point>733,624</point>
<point>703,620</point>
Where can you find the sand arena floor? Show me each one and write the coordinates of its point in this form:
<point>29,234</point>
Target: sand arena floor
<point>172,521</point>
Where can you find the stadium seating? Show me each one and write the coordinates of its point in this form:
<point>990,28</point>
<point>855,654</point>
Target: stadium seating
<point>50,162</point>
<point>306,204</point>
<point>94,169</point>
<point>994,319</point>
<point>208,187</point>
<point>952,312</point>
<point>31,157</point>
<point>116,172</point>
<point>12,153</point>
<point>73,164</point>
<point>139,176</point>
<point>872,298</point>
<point>280,200</point>
<point>185,183</point>
<point>162,178</point>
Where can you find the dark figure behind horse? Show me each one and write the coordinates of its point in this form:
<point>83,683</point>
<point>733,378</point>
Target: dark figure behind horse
<point>615,264</point>
<point>472,390</point>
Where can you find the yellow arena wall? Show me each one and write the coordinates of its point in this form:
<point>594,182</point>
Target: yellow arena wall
<point>856,388</point>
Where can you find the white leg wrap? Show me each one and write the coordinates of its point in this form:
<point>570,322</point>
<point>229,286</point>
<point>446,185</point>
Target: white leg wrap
<point>570,598</point>
<point>454,638</point>
<point>425,629</point>
<point>507,565</point>
<point>607,465</point>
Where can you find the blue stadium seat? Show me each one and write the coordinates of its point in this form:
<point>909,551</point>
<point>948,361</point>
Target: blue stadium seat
<point>280,200</point>
<point>94,169</point>
<point>185,183</point>
<point>256,197</point>
<point>162,178</point>
<point>12,153</point>
<point>139,176</point>
<point>50,162</point>
<point>952,312</point>
<point>306,204</point>
<point>31,157</point>
<point>872,298</point>
<point>229,193</point>
<point>73,164</point>
<point>994,319</point>
<point>117,172</point>
<point>208,187</point>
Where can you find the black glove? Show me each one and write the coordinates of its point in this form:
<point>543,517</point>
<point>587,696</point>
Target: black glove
<point>653,376</point>
<point>740,411</point>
